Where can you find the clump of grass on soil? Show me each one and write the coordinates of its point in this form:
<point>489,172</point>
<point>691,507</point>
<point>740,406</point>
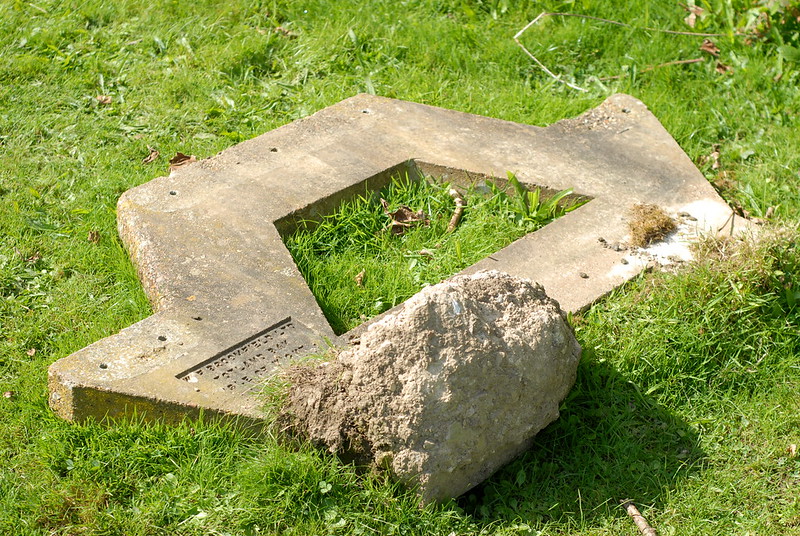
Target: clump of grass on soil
<point>649,223</point>
<point>357,268</point>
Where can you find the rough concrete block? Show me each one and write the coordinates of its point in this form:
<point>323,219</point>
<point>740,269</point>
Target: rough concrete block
<point>447,389</point>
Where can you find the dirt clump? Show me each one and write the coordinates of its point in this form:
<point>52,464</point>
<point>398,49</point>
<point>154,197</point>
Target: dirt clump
<point>648,224</point>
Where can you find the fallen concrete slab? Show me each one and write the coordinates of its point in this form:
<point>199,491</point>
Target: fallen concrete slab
<point>230,304</point>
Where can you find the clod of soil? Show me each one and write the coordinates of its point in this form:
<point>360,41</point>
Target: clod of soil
<point>648,224</point>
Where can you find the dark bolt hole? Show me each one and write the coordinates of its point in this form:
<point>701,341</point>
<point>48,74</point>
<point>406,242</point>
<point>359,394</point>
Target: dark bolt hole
<point>173,192</point>
<point>197,318</point>
<point>103,366</point>
<point>162,338</point>
<point>273,150</point>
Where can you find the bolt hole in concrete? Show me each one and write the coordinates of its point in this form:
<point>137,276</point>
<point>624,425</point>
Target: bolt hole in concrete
<point>373,250</point>
<point>198,318</point>
<point>173,192</point>
<point>162,338</point>
<point>103,366</point>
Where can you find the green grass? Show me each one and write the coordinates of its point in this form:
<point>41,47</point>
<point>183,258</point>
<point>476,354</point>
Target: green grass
<point>358,268</point>
<point>686,399</point>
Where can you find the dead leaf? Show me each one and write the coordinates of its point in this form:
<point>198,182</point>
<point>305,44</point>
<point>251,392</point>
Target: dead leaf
<point>151,157</point>
<point>181,159</point>
<point>709,47</point>
<point>285,32</point>
<point>8,394</point>
<point>360,278</point>
<point>94,237</point>
<point>723,69</point>
<point>739,209</point>
<point>694,13</point>
<point>103,99</point>
<point>714,156</point>
<point>792,450</point>
<point>31,352</point>
<point>403,218</point>
<point>725,181</point>
<point>36,257</point>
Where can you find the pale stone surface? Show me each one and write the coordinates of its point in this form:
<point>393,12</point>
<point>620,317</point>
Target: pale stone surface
<point>446,390</point>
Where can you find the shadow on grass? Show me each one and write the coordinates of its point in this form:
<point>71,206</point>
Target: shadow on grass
<point>611,442</point>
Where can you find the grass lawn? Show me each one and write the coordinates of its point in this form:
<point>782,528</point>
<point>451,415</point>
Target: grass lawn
<point>359,264</point>
<point>688,396</point>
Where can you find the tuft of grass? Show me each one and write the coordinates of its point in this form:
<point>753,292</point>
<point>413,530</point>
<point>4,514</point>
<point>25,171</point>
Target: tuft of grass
<point>746,289</point>
<point>357,268</point>
<point>648,224</point>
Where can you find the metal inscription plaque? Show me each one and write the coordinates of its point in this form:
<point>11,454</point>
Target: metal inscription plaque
<point>244,364</point>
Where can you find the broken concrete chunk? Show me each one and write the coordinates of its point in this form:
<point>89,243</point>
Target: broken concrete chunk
<point>446,390</point>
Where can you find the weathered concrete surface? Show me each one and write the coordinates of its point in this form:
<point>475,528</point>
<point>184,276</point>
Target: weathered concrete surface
<point>206,239</point>
<point>448,388</point>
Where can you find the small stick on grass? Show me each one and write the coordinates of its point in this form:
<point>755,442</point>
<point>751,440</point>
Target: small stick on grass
<point>457,212</point>
<point>605,21</point>
<point>653,67</point>
<point>641,523</point>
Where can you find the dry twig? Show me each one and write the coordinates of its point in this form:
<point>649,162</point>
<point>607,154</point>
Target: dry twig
<point>460,204</point>
<point>641,523</point>
<point>652,67</point>
<point>606,21</point>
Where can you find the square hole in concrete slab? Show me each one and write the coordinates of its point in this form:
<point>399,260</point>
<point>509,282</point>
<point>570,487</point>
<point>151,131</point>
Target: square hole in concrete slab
<point>372,246</point>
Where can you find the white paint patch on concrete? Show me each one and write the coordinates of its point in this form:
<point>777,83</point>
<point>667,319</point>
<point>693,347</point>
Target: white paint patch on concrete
<point>675,248</point>
<point>695,222</point>
<point>624,272</point>
<point>711,216</point>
